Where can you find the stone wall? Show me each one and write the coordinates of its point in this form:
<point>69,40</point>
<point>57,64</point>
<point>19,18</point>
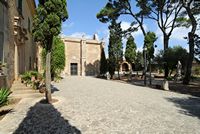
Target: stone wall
<point>85,53</point>
<point>12,46</point>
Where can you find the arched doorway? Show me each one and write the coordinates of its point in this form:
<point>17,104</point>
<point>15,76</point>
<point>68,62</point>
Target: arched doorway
<point>125,67</point>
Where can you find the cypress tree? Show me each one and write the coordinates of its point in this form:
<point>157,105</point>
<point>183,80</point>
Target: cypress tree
<point>47,24</point>
<point>103,63</point>
<point>130,53</point>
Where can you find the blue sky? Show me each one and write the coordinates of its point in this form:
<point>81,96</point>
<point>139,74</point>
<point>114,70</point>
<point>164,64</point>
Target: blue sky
<point>82,21</point>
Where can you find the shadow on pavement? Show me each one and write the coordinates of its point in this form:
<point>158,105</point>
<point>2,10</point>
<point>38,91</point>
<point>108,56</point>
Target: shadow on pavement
<point>44,118</point>
<point>54,89</point>
<point>189,106</point>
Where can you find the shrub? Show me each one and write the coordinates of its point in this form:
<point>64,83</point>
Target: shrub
<point>57,57</point>
<point>4,93</point>
<point>197,70</point>
<point>169,78</point>
<point>32,78</point>
<point>26,77</point>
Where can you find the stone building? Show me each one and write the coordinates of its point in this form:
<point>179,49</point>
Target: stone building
<point>82,56</point>
<point>17,49</point>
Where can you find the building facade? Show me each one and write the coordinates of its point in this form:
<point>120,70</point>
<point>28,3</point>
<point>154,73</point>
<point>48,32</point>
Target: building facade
<point>17,48</point>
<point>82,56</point>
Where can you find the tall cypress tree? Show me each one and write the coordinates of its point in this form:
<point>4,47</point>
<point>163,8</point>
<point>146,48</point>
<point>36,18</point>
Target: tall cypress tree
<point>47,24</point>
<point>130,53</point>
<point>149,40</point>
<point>115,48</point>
<point>103,63</point>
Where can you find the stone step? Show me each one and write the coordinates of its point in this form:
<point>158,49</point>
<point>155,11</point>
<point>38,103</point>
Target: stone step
<point>25,91</point>
<point>22,88</point>
<point>33,95</point>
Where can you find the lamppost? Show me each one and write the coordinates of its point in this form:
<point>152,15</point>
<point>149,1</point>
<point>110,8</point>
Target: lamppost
<point>145,64</point>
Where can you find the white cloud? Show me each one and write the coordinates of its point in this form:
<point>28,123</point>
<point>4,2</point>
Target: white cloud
<point>125,25</point>
<point>81,35</point>
<point>67,25</point>
<point>180,33</point>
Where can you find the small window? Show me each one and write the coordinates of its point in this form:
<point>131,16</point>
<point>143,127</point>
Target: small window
<point>74,68</point>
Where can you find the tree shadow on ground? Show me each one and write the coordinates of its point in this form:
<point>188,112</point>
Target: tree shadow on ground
<point>189,106</point>
<point>54,89</point>
<point>44,118</point>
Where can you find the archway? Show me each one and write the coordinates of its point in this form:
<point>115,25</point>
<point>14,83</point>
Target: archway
<point>125,67</point>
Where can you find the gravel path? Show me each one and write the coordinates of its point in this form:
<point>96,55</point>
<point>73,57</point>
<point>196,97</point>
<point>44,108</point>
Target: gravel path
<point>93,106</point>
<point>101,106</point>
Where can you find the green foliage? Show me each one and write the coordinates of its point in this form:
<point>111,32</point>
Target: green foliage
<point>103,63</point>
<point>138,61</point>
<point>112,10</point>
<point>164,12</point>
<point>115,49</point>
<point>196,70</point>
<point>47,21</point>
<point>26,77</point>
<point>116,8</point>
<point>30,77</point>
<point>172,56</point>
<point>4,94</point>
<point>130,53</point>
<point>46,25</point>
<point>57,58</point>
<point>149,40</point>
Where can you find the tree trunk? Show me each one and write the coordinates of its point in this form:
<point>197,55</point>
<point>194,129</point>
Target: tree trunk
<point>48,77</point>
<point>48,72</point>
<point>166,44</point>
<point>187,76</point>
<point>150,71</point>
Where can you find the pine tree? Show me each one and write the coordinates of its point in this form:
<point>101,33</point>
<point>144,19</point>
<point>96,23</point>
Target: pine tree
<point>164,13</point>
<point>47,24</point>
<point>189,17</point>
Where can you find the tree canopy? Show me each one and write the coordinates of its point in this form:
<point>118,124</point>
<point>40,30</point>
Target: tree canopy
<point>103,63</point>
<point>130,52</point>
<point>149,40</point>
<point>115,49</point>
<point>172,56</point>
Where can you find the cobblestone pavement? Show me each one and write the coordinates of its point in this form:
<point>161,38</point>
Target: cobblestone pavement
<point>94,106</point>
<point>109,107</point>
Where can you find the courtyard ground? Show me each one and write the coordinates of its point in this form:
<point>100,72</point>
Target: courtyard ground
<point>89,105</point>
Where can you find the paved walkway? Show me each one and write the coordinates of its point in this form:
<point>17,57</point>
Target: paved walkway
<point>89,105</point>
<point>100,106</point>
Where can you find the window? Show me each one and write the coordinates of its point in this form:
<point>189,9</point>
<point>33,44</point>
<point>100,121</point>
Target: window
<point>74,68</point>
<point>20,7</point>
